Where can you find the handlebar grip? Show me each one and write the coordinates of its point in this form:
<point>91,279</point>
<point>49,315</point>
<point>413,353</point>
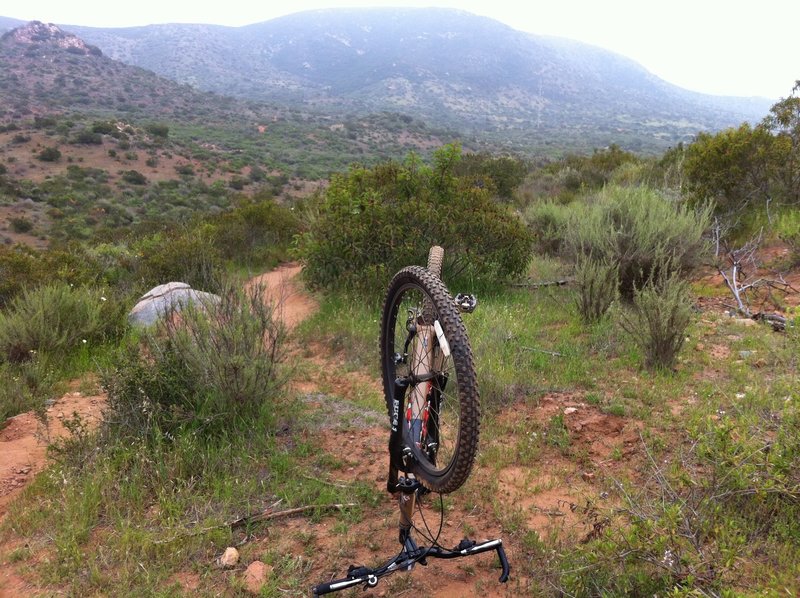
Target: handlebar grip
<point>501,554</point>
<point>340,584</point>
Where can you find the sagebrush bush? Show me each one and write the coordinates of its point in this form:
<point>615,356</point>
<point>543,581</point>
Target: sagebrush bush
<point>597,284</point>
<point>256,233</point>
<point>54,319</point>
<point>638,229</point>
<point>211,367</point>
<point>548,223</point>
<point>658,317</point>
<point>188,254</point>
<point>372,222</point>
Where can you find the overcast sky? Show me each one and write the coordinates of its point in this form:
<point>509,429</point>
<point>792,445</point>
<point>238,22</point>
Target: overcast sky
<point>725,47</point>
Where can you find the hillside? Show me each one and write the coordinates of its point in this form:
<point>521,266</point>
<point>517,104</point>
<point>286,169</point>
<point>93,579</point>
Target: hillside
<point>446,66</point>
<point>99,121</point>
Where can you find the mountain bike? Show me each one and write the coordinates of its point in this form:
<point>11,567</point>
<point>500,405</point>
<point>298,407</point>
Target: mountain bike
<point>432,399</point>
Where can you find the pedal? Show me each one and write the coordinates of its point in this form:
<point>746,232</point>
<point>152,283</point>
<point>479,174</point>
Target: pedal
<point>465,303</point>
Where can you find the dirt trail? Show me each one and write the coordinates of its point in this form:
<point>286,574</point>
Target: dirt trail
<point>281,287</point>
<point>24,438</point>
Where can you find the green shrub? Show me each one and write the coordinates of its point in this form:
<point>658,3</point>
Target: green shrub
<point>256,233</point>
<point>26,386</point>
<point>134,177</point>
<point>597,284</point>
<point>188,254</point>
<point>49,154</point>
<point>638,229</point>
<point>548,224</point>
<point>213,367</point>
<point>659,316</point>
<point>19,266</point>
<point>158,130</point>
<point>504,173</point>
<point>88,137</point>
<point>372,222</point>
<point>104,127</point>
<point>54,319</point>
<point>20,224</point>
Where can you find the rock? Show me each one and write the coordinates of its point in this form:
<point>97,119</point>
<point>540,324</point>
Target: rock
<point>256,576</point>
<point>570,410</point>
<point>166,298</point>
<point>229,558</point>
<point>745,322</point>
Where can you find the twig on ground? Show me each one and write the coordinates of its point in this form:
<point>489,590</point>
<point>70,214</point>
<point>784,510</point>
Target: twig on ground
<point>270,514</point>
<point>327,483</point>
<point>534,349</point>
<point>265,515</point>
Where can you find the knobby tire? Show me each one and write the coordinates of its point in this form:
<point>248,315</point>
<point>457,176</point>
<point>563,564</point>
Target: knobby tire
<point>457,418</point>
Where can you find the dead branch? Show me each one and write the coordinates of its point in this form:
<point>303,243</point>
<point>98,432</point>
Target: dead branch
<point>535,350</point>
<point>270,514</point>
<point>740,279</point>
<point>265,515</point>
<point>545,283</point>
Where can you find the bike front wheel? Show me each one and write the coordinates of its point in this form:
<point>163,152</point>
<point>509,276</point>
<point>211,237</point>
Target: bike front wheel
<point>428,369</point>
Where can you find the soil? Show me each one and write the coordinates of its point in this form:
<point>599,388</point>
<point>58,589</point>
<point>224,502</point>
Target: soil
<point>24,439</point>
<point>282,288</point>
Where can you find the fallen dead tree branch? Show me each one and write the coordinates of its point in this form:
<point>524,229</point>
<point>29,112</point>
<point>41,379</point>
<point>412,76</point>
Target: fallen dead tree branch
<point>265,515</point>
<point>545,283</point>
<point>740,278</point>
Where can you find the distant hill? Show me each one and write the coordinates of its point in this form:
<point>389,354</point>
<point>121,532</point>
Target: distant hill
<point>45,71</point>
<point>447,66</point>
<point>44,68</point>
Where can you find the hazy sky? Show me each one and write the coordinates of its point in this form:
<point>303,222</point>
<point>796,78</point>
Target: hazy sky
<point>727,47</point>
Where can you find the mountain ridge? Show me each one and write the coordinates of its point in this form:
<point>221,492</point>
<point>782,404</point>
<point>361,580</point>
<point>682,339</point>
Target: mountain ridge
<point>447,66</point>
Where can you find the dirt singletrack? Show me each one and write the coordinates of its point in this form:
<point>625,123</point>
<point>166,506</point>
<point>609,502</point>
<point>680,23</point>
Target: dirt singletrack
<point>282,288</point>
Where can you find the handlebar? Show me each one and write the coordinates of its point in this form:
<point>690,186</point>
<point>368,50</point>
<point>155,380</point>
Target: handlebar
<point>369,577</point>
